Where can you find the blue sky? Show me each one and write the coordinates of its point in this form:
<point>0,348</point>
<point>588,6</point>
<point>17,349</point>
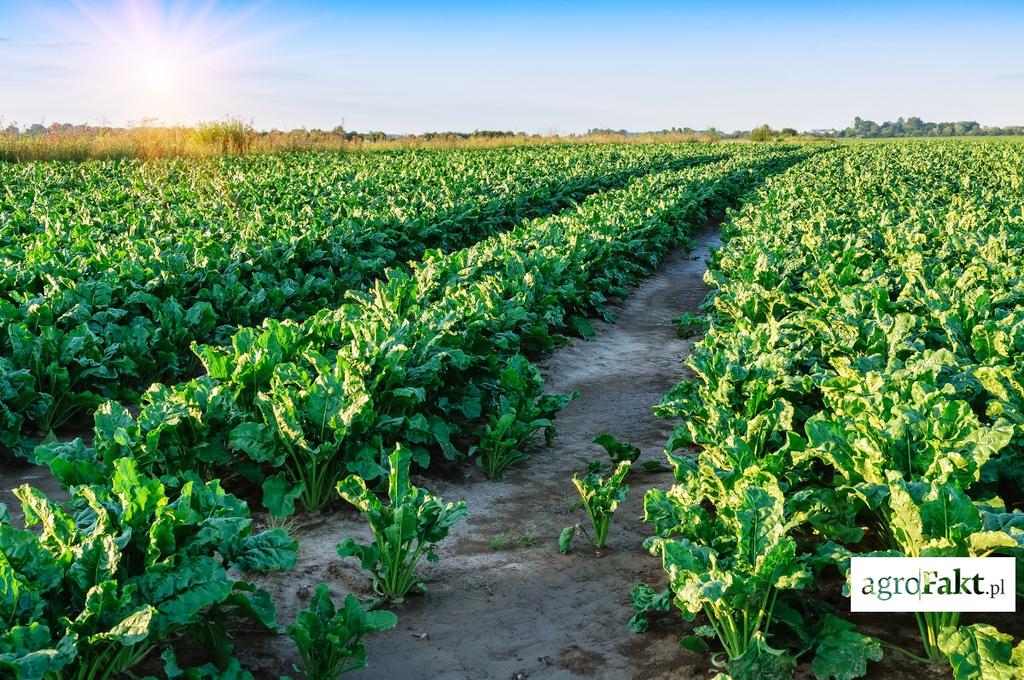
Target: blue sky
<point>531,66</point>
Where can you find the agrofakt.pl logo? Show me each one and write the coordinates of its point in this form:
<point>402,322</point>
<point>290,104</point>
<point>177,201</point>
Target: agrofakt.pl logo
<point>933,584</point>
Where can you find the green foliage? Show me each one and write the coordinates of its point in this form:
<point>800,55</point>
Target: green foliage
<point>521,411</point>
<point>408,528</point>
<point>842,652</point>
<point>398,318</point>
<point>938,520</point>
<point>980,652</point>
<point>91,587</point>
<point>762,133</point>
<point>19,401</point>
<point>617,451</point>
<point>330,640</point>
<point>725,543</point>
<point>862,361</point>
<point>761,662</point>
<point>645,600</point>
<point>208,671</point>
<point>913,126</point>
<point>689,324</point>
<point>431,359</point>
<point>94,306</point>
<point>601,497</point>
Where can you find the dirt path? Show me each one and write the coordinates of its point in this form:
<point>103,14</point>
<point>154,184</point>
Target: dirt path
<point>13,476</point>
<point>527,610</point>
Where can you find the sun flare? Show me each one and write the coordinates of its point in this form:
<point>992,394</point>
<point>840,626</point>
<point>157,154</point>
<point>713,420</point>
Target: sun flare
<point>165,59</point>
<point>156,77</point>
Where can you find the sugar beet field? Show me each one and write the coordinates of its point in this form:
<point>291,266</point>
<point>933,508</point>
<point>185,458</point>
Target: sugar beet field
<point>606,411</point>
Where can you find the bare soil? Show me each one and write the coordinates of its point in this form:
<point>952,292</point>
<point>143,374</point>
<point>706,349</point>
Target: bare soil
<point>13,476</point>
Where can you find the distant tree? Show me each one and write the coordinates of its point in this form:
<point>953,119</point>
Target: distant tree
<point>915,127</point>
<point>762,133</point>
<point>788,132</point>
<point>492,133</point>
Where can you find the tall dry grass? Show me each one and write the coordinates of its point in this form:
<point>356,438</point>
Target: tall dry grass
<point>87,143</point>
<point>233,137</point>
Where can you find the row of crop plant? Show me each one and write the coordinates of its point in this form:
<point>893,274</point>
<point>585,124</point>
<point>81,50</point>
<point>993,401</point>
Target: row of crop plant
<point>146,556</point>
<point>110,271</point>
<point>859,391</point>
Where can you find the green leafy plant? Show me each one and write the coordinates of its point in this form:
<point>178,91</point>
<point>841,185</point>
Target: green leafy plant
<point>521,410</point>
<point>110,328</point>
<point>689,324</point>
<point>330,640</point>
<point>940,520</point>
<point>118,572</point>
<point>408,528</point>
<point>646,600</point>
<point>725,544</point>
<point>430,357</point>
<point>232,670</point>
<point>309,412</point>
<point>18,400</point>
<point>601,497</point>
<point>842,652</point>
<point>981,652</point>
<point>617,451</point>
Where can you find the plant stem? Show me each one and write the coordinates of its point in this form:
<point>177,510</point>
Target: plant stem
<point>906,652</point>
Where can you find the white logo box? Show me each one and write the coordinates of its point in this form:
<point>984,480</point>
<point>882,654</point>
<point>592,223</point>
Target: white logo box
<point>933,584</point>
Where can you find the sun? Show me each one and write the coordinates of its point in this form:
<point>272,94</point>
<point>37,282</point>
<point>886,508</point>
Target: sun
<point>166,59</point>
<point>156,77</point>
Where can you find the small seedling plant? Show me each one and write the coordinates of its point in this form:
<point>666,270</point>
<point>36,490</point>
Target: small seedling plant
<point>618,451</point>
<point>330,640</point>
<point>407,529</point>
<point>689,325</point>
<point>510,539</point>
<point>601,497</point>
